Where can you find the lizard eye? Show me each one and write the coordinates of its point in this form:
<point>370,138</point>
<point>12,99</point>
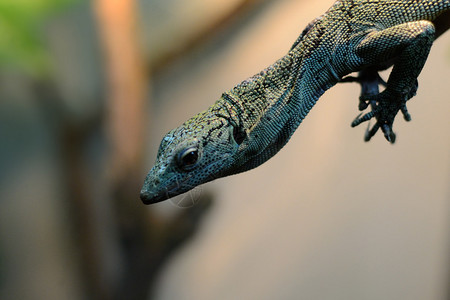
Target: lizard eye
<point>187,158</point>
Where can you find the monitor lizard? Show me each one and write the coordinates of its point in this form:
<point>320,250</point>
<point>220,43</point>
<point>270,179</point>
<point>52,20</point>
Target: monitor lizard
<point>251,122</point>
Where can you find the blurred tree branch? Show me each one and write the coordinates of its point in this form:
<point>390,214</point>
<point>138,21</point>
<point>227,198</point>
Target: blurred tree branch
<point>146,240</point>
<point>242,9</point>
<point>127,85</point>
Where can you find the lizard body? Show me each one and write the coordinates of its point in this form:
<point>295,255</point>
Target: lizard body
<point>255,119</point>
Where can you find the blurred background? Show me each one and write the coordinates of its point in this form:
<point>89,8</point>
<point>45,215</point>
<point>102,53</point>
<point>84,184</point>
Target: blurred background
<point>88,89</point>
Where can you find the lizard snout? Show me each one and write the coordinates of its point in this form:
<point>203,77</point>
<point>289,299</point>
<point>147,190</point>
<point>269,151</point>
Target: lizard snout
<point>148,197</point>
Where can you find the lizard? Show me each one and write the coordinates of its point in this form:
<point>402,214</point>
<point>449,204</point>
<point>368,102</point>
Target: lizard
<point>251,122</point>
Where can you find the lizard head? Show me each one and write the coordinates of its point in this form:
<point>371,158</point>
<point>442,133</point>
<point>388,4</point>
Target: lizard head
<point>200,150</point>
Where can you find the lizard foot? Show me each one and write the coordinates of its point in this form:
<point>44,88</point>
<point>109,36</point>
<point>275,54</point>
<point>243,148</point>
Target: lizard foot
<point>385,107</point>
<point>369,81</point>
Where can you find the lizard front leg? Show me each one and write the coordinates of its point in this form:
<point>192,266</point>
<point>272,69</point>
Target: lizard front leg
<point>408,45</point>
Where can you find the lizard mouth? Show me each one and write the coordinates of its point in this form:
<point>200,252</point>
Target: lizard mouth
<point>150,198</point>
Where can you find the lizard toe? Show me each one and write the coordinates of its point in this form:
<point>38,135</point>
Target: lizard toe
<point>361,119</point>
<point>370,132</point>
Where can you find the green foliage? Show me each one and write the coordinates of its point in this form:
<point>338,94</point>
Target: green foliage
<point>21,37</point>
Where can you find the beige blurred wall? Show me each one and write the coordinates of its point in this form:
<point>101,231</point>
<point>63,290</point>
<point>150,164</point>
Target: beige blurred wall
<point>330,217</point>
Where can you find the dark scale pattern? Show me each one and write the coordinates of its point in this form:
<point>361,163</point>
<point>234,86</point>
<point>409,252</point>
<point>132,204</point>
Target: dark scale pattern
<point>254,120</point>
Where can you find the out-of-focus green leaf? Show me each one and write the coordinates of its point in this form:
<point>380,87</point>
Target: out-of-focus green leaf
<point>21,43</point>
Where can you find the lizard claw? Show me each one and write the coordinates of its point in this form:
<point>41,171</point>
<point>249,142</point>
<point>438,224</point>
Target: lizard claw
<point>405,113</point>
<point>388,133</point>
<point>371,132</point>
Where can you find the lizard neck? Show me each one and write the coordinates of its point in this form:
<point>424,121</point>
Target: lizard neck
<point>268,107</point>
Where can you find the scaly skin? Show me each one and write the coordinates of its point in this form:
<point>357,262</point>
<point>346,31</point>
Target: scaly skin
<point>254,120</point>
